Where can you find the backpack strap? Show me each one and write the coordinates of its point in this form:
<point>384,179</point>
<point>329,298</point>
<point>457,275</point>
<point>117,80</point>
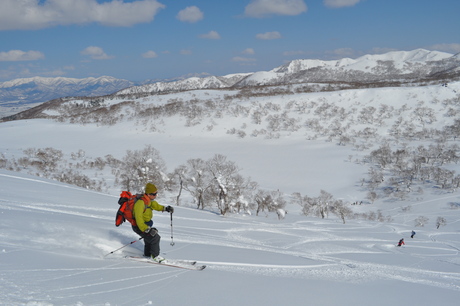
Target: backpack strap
<point>146,200</point>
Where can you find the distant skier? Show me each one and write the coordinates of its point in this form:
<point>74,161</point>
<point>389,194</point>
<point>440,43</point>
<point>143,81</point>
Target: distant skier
<point>412,234</point>
<point>401,242</point>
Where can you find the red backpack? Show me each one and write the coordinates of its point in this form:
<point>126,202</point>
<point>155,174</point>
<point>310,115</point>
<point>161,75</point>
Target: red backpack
<point>125,212</point>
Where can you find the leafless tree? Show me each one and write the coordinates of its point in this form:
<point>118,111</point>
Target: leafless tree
<point>440,221</point>
<point>341,210</point>
<point>197,180</point>
<point>268,200</point>
<point>421,221</point>
<point>140,167</point>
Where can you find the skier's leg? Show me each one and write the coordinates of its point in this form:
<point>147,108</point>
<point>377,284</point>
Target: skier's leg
<point>155,245</point>
<point>147,243</point>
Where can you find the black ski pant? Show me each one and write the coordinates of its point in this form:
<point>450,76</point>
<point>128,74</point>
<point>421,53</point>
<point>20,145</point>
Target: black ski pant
<point>151,243</point>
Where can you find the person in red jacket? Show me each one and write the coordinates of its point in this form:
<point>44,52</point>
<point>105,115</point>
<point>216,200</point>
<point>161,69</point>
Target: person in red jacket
<point>143,213</point>
<point>401,242</point>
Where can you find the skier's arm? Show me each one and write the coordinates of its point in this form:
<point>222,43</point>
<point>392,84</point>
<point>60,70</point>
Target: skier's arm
<point>156,206</point>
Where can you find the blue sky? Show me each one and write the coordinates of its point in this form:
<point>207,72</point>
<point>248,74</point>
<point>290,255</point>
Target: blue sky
<point>160,39</point>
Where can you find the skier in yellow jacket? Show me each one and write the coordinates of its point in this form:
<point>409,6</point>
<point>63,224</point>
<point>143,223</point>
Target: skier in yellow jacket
<point>143,213</point>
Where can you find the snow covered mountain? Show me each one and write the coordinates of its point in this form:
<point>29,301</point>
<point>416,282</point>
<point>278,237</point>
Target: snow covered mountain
<point>19,94</point>
<point>209,82</point>
<point>398,66</point>
<point>401,66</point>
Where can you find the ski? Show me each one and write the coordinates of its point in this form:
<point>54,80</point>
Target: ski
<point>182,264</point>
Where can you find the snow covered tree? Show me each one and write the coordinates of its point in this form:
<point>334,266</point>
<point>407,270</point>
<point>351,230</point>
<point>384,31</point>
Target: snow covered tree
<point>140,167</point>
<point>268,200</point>
<point>197,180</point>
<point>215,181</point>
<point>45,160</point>
<point>3,161</point>
<point>323,203</point>
<point>382,156</point>
<point>339,208</point>
<point>177,181</point>
<point>440,221</point>
<point>421,221</point>
<point>228,185</point>
<point>319,206</point>
<point>371,195</point>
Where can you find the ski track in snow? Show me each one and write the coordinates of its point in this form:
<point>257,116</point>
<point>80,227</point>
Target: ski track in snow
<point>319,252</point>
<point>331,267</point>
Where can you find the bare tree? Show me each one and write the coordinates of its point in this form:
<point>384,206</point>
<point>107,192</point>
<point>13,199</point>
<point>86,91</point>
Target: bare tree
<point>371,195</point>
<point>228,185</point>
<point>382,156</point>
<point>339,208</point>
<point>140,167</point>
<point>440,221</point>
<point>45,160</point>
<point>319,206</point>
<point>177,181</point>
<point>421,221</point>
<point>197,180</point>
<point>268,200</point>
<point>323,203</point>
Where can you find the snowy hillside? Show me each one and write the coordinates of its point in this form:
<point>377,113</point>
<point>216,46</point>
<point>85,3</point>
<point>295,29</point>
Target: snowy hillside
<point>284,135</point>
<point>54,238</point>
<point>308,188</point>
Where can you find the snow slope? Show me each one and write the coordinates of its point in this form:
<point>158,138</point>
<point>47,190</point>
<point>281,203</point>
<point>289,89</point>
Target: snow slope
<point>54,238</point>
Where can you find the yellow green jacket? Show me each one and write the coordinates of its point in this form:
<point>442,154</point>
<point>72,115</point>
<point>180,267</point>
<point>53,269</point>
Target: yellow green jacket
<point>143,213</point>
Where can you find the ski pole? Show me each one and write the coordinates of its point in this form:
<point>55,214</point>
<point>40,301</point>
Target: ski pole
<point>172,241</point>
<point>124,246</point>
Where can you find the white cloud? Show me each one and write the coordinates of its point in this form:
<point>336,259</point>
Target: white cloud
<point>150,54</point>
<point>450,48</point>
<point>34,14</point>
<point>185,52</point>
<point>248,51</point>
<point>210,35</point>
<point>269,35</point>
<point>190,14</point>
<point>340,3</point>
<point>243,59</point>
<point>96,53</point>
<point>18,55</point>
<point>31,69</point>
<point>264,8</point>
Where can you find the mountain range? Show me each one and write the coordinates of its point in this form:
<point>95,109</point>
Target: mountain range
<point>397,67</point>
<point>19,94</point>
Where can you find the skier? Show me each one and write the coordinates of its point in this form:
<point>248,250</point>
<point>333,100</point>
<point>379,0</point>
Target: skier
<point>143,215</point>
<point>401,242</point>
<point>412,234</point>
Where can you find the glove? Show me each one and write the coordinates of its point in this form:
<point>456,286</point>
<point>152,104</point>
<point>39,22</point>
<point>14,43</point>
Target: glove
<point>151,231</point>
<point>169,209</point>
